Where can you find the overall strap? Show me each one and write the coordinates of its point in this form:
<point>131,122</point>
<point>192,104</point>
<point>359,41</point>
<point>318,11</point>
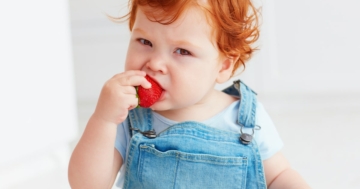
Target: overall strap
<point>140,120</point>
<point>247,109</point>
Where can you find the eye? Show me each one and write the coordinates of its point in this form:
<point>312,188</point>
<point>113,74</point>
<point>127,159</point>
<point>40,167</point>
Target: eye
<point>145,42</point>
<point>182,52</point>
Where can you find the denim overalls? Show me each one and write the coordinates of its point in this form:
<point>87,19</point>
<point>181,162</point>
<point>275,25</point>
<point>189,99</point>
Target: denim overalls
<point>191,155</point>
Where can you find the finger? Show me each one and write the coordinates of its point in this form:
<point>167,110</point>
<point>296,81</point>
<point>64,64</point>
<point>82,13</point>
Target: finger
<point>146,84</point>
<point>134,80</point>
<point>133,102</point>
<point>130,73</point>
<point>132,107</point>
<point>130,90</point>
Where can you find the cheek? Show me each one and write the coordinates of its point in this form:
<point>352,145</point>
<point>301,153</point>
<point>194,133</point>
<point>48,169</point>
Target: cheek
<point>188,85</point>
<point>132,61</point>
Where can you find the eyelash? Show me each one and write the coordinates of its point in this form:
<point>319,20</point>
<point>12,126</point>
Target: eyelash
<point>147,42</point>
<point>143,41</point>
<point>182,50</point>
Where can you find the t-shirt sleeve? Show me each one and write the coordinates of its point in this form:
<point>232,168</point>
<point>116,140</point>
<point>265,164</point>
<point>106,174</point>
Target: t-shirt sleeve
<point>267,138</point>
<point>122,138</point>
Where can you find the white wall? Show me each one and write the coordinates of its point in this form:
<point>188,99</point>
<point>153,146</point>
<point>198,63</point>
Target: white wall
<point>318,43</point>
<point>37,98</point>
<point>99,45</point>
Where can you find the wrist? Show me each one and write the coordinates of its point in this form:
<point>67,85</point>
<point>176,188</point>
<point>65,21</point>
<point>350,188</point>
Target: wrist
<point>99,120</point>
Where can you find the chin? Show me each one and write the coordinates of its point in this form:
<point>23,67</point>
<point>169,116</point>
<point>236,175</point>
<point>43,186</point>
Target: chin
<point>159,107</point>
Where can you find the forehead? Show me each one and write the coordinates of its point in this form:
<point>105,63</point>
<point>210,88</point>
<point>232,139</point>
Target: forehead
<point>191,21</point>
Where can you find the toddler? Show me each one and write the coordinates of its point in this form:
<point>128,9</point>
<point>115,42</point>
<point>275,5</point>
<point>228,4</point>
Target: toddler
<point>193,136</point>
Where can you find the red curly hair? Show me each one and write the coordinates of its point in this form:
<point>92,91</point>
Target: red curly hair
<point>236,22</point>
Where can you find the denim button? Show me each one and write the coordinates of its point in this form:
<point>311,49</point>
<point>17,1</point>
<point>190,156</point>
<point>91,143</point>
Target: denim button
<point>149,134</point>
<point>245,138</point>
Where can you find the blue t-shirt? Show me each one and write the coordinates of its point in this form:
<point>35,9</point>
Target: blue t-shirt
<point>267,138</point>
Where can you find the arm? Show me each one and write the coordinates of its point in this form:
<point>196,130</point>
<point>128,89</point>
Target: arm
<point>95,162</point>
<point>280,175</point>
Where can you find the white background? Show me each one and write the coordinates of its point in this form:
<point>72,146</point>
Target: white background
<point>38,115</point>
<point>306,75</point>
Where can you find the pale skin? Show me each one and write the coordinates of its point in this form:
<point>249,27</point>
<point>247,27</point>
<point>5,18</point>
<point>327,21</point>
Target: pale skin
<point>184,45</point>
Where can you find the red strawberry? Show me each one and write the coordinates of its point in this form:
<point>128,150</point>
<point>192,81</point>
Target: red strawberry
<point>148,97</point>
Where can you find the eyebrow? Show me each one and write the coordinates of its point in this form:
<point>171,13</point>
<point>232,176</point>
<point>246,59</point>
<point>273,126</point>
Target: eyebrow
<point>139,30</point>
<point>178,42</point>
<point>185,43</point>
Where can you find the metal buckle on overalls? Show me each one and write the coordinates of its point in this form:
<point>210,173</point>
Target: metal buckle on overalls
<point>149,134</point>
<point>246,138</point>
<point>237,84</point>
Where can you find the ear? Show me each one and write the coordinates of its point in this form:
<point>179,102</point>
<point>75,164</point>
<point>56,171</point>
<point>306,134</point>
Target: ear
<point>225,69</point>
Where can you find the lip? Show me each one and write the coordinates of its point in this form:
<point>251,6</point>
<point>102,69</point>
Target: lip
<point>156,82</point>
<point>162,96</point>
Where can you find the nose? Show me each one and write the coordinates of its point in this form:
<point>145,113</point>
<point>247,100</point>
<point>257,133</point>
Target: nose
<point>157,63</point>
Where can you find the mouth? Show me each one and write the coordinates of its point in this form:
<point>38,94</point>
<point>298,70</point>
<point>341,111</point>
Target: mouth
<point>162,96</point>
<point>157,83</point>
<point>149,96</point>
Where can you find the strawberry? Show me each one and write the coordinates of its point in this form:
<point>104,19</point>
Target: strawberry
<point>148,97</point>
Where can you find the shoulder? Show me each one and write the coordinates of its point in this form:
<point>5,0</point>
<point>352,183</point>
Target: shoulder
<point>262,116</point>
<point>267,138</point>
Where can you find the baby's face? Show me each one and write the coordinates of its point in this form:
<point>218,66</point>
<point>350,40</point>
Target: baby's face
<point>180,57</point>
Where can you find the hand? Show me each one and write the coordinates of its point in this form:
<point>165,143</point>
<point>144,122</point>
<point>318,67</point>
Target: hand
<point>118,96</point>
